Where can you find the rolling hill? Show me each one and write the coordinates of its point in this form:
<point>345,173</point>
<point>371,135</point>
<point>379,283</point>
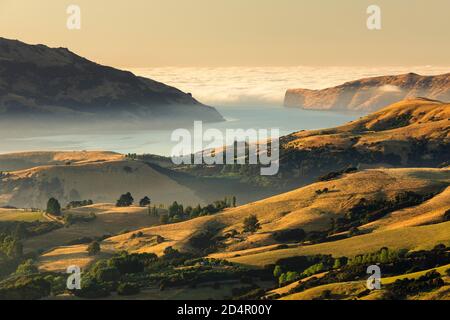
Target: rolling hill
<point>371,94</point>
<point>304,208</point>
<point>101,177</point>
<point>28,160</point>
<point>410,133</point>
<point>42,83</point>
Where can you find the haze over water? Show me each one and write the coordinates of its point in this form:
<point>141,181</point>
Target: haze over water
<point>248,98</point>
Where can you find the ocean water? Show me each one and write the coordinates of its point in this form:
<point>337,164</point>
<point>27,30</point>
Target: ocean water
<point>248,97</point>
<point>159,141</point>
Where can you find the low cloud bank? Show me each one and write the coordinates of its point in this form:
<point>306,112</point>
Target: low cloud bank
<point>256,86</point>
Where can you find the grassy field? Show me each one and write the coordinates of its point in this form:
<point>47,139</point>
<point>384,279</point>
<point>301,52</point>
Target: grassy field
<point>339,291</point>
<point>110,220</point>
<point>442,270</point>
<point>100,181</point>
<point>20,215</point>
<point>58,260</point>
<point>349,290</point>
<point>413,238</point>
<point>304,208</point>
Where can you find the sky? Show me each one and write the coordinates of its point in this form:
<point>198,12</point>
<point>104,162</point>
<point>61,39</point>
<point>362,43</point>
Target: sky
<point>224,33</point>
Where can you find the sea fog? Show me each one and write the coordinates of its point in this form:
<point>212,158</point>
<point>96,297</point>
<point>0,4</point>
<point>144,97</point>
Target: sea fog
<point>247,97</point>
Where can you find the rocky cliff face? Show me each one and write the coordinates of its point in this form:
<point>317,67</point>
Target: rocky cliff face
<point>36,80</point>
<point>371,94</point>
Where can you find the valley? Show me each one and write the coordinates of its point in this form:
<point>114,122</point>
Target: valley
<point>375,190</point>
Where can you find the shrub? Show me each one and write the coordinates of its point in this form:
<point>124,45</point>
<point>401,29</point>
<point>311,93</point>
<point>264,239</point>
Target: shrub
<point>251,224</point>
<point>26,268</point>
<point>144,202</point>
<point>447,215</point>
<point>290,235</point>
<point>94,248</point>
<point>127,289</point>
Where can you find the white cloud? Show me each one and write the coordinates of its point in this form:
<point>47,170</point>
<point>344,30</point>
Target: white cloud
<point>264,85</point>
<point>389,88</point>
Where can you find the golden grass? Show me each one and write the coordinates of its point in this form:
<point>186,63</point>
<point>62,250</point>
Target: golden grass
<point>303,208</point>
<point>20,215</point>
<point>27,160</point>
<point>110,221</point>
<point>101,182</point>
<point>58,260</point>
<point>442,270</point>
<point>412,238</point>
<point>339,291</point>
<point>349,290</point>
<point>430,211</point>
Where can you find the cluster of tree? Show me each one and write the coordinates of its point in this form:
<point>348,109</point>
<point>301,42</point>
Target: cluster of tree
<point>383,256</point>
<point>291,269</point>
<point>27,267</point>
<point>337,174</point>
<point>392,262</point>
<point>25,288</point>
<point>70,218</point>
<point>127,200</point>
<point>93,248</point>
<point>322,191</point>
<point>78,204</point>
<point>10,247</point>
<point>111,274</point>
<point>177,212</point>
<point>26,229</point>
<point>402,288</point>
<point>251,224</point>
<point>290,235</point>
<point>366,211</point>
<point>127,273</point>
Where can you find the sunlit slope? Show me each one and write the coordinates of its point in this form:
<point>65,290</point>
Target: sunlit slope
<point>28,160</point>
<point>304,208</point>
<point>414,118</point>
<point>412,238</point>
<point>109,220</point>
<point>102,181</point>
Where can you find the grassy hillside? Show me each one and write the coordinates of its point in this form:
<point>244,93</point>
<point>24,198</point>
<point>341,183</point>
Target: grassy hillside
<point>410,133</point>
<point>20,215</point>
<point>101,181</point>
<point>109,220</point>
<point>306,209</point>
<point>412,238</point>
<point>28,160</point>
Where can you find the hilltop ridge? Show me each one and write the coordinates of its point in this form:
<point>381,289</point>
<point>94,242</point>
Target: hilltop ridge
<point>370,94</point>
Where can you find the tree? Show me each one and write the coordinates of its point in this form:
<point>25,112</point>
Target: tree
<point>125,200</point>
<point>94,248</point>
<point>164,219</point>
<point>234,201</point>
<point>53,207</point>
<point>251,224</point>
<point>277,271</point>
<point>145,201</point>
<point>447,215</point>
<point>337,263</point>
<point>176,209</point>
<point>153,211</point>
<point>127,289</point>
<point>27,268</point>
